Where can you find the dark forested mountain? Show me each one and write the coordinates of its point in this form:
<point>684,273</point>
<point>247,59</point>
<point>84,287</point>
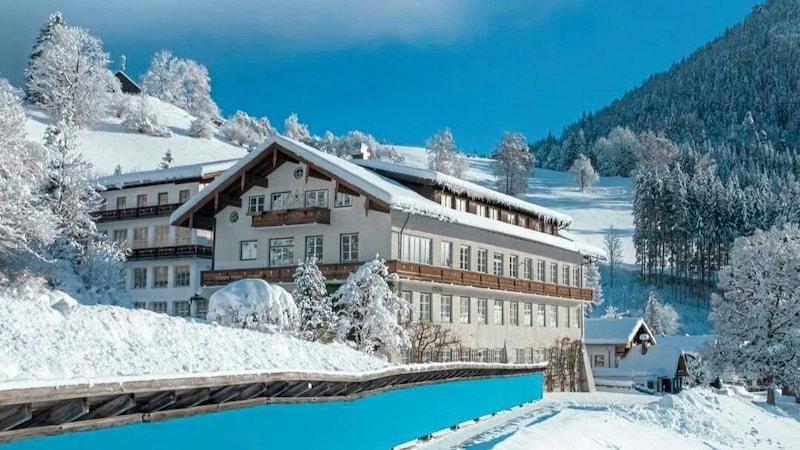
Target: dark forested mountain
<point>749,74</point>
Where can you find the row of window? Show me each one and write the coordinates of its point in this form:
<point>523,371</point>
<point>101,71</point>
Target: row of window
<point>161,236</point>
<point>159,277</point>
<point>494,213</point>
<point>288,200</point>
<point>546,315</point>
<point>180,308</point>
<point>497,355</point>
<point>282,250</point>
<point>162,198</point>
<point>418,250</point>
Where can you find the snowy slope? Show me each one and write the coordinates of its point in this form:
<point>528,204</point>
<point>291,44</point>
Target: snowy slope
<point>694,419</point>
<point>108,144</point>
<point>42,343</point>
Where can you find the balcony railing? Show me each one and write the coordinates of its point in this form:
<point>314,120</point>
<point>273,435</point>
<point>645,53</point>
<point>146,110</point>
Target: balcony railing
<point>133,213</point>
<point>181,251</point>
<point>408,271</point>
<point>298,216</point>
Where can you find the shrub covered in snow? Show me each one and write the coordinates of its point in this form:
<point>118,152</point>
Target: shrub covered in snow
<point>202,128</point>
<point>140,119</point>
<point>241,129</point>
<point>253,304</point>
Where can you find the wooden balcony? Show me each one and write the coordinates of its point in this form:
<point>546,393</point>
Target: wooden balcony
<point>181,251</point>
<point>408,271</point>
<point>298,216</point>
<point>134,213</point>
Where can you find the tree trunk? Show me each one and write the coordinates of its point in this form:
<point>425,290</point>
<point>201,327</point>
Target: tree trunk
<point>771,395</point>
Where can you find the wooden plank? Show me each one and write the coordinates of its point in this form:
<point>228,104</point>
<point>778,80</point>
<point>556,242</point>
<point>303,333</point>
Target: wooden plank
<point>14,416</point>
<point>193,399</point>
<point>113,407</point>
<point>158,402</point>
<point>63,412</point>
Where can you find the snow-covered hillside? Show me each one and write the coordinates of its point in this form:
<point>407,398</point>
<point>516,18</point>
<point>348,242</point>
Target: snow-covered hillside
<point>108,144</point>
<point>46,343</point>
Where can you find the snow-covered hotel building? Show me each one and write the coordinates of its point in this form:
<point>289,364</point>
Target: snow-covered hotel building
<point>496,269</point>
<point>164,262</point>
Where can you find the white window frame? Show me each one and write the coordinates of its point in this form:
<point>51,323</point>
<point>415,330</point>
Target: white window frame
<point>461,204</point>
<point>446,253</point>
<point>348,247</point>
<point>541,315</point>
<point>317,198</point>
<point>159,283</point>
<point>565,271</point>
<point>446,308</point>
<point>343,200</point>
<point>576,276</point>
<point>464,257</point>
<point>483,260</point>
<point>446,200</point>
<point>483,311</point>
<point>552,316</point>
<point>498,262</point>
<point>425,307</point>
<point>499,311</point>
<point>181,308</point>
<point>248,250</point>
<point>139,278</point>
<point>527,269</point>
<point>527,314</point>
<point>513,266</point>
<point>281,252</point>
<point>554,273</point>
<point>182,276</point>
<point>161,236</point>
<point>513,313</point>
<point>314,247</point>
<point>463,309</point>
<point>280,201</point>
<point>540,270</point>
<point>256,203</point>
<point>159,307</point>
<point>417,249</point>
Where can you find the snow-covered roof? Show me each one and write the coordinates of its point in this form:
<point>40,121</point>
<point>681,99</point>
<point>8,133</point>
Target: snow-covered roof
<point>688,344</point>
<point>189,172</point>
<point>586,248</point>
<point>468,189</point>
<point>660,360</point>
<point>613,331</point>
<point>393,194</point>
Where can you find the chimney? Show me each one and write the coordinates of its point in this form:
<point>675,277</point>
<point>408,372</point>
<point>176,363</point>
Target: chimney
<point>122,61</point>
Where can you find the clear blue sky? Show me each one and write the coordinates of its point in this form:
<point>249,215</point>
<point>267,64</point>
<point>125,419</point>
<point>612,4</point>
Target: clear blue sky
<point>399,69</point>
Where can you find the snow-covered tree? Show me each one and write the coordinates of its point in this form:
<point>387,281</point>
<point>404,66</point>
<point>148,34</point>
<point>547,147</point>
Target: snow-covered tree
<point>583,172</point>
<point>202,128</point>
<point>166,160</point>
<point>101,266</point>
<point>613,247</point>
<point>45,35</point>
<point>617,154</point>
<point>254,304</point>
<point>662,318</point>
<point>368,309</point>
<point>756,319</point>
<point>592,275</point>
<point>294,129</point>
<point>249,132</point>
<point>70,77</point>
<point>443,156</point>
<point>141,119</point>
<point>182,82</point>
<point>512,164</point>
<point>317,320</point>
<point>611,312</point>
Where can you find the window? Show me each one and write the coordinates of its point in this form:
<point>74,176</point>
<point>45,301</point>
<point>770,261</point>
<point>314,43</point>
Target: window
<point>446,253</point>
<point>527,314</point>
<point>599,361</point>
<point>159,307</point>
<point>565,314</point>
<point>424,306</point>
<point>248,250</point>
<point>140,239</point>
<point>281,200</point>
<point>163,198</point>
<point>540,316</point>
<point>498,355</point>
<point>513,266</point>
<point>140,278</point>
<point>160,277</point>
<point>463,310</point>
<point>349,247</point>
<point>408,297</point>
<point>527,269</point>
<point>416,249</point>
<point>201,310</point>
<point>181,308</point>
<point>574,318</point>
<point>183,235</point>
<point>317,198</point>
<point>343,200</point>
<point>483,313</point>
<point>183,196</point>
<point>121,202</point>
<point>540,271</point>
<point>522,221</point>
<point>565,275</point>
<point>446,310</point>
<point>139,305</point>
<point>554,273</point>
<point>314,247</point>
<point>461,204</point>
<point>141,200</point>
<point>497,266</point>
<point>483,260</point>
<point>255,203</point>
<point>281,252</point>
<point>553,319</point>
<point>161,233</point>
<point>513,311</point>
<point>498,312</point>
<point>464,257</point>
<point>446,200</point>
<point>511,218</point>
<point>183,276</point>
<point>120,236</point>
<point>480,210</point>
<point>576,276</point>
<point>482,355</point>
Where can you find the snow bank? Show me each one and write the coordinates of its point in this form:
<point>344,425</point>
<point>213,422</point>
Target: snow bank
<point>40,342</point>
<point>253,304</point>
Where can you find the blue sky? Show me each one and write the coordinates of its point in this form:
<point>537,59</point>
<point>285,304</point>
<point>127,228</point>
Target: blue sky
<point>399,69</point>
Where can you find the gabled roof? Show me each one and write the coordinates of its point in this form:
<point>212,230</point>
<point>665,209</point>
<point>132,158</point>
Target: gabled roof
<point>383,194</point>
<point>193,172</point>
<point>614,331</point>
<point>687,344</point>
<point>660,361</point>
<point>466,188</point>
<point>127,84</point>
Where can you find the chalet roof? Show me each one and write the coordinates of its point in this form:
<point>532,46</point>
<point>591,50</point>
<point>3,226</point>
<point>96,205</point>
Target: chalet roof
<point>687,344</point>
<point>614,331</point>
<point>466,188</point>
<point>172,174</point>
<point>383,193</point>
<point>660,361</point>
<point>127,84</point>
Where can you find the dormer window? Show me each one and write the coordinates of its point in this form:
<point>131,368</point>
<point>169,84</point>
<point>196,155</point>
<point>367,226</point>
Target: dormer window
<point>461,204</point>
<point>494,214</point>
<point>447,200</point>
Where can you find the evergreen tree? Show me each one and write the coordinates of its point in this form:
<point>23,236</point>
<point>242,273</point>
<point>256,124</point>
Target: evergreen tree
<point>166,160</point>
<point>592,275</point>
<point>662,318</point>
<point>512,164</point>
<point>317,320</point>
<point>45,35</point>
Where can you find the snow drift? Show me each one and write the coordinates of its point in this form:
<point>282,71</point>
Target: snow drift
<point>253,304</point>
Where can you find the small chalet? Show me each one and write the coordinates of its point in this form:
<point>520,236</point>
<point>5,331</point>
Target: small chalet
<point>609,340</point>
<point>657,368</point>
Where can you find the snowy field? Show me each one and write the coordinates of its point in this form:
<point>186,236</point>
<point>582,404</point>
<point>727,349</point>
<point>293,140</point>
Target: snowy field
<point>701,418</point>
<point>45,343</point>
